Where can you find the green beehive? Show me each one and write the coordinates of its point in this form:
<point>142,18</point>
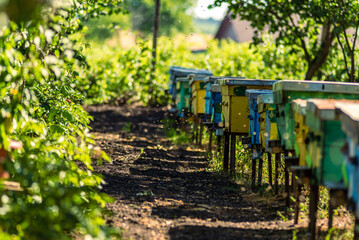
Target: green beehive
<point>284,92</point>
<point>183,96</point>
<point>325,141</point>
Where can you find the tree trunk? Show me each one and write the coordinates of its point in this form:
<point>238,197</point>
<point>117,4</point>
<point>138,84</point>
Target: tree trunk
<point>325,45</point>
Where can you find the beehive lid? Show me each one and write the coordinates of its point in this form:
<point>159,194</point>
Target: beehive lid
<point>299,106</point>
<point>349,116</point>
<point>325,109</point>
<point>183,72</point>
<point>196,77</point>
<point>215,88</point>
<point>349,109</point>
<point>316,86</point>
<point>217,78</point>
<point>265,99</point>
<point>246,82</point>
<point>254,93</point>
<point>183,79</point>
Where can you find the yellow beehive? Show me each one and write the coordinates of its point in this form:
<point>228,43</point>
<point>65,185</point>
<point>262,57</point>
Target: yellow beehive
<point>198,94</point>
<point>235,104</point>
<point>301,129</point>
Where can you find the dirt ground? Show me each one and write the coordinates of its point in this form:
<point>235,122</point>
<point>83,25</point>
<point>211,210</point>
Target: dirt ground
<point>163,191</point>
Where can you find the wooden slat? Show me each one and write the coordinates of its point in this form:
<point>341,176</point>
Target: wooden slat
<point>316,86</point>
<point>246,82</point>
<point>12,186</point>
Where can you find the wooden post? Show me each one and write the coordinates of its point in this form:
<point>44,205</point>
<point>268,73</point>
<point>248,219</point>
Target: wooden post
<point>330,209</point>
<point>356,228</point>
<point>210,142</point>
<point>232,163</point>
<point>226,152</point>
<point>253,179</point>
<point>156,25</point>
<point>200,131</point>
<point>298,191</point>
<point>286,181</point>
<point>269,156</point>
<point>313,207</point>
<point>195,131</point>
<point>286,186</point>
<point>260,171</point>
<point>219,143</point>
<point>276,172</point>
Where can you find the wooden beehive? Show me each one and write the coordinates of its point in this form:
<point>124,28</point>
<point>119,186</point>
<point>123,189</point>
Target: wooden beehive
<point>325,141</point>
<point>301,130</point>
<point>267,122</point>
<point>349,118</point>
<point>198,92</point>
<point>254,117</point>
<point>183,96</point>
<point>284,92</point>
<point>235,104</point>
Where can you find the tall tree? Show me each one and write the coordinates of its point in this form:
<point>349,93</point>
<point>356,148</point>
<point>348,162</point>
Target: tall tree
<point>307,26</point>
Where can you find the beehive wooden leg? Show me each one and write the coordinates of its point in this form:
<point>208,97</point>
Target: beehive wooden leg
<point>260,171</point>
<point>184,124</point>
<point>298,191</point>
<point>219,143</point>
<point>330,209</point>
<point>195,129</point>
<point>253,180</point>
<point>200,131</point>
<point>356,228</point>
<point>269,156</point>
<point>232,163</point>
<point>286,181</point>
<point>226,152</point>
<point>210,142</point>
<point>292,182</point>
<point>313,207</point>
<point>276,173</point>
<point>286,186</point>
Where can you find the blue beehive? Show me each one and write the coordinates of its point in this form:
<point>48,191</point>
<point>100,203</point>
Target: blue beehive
<point>254,128</point>
<point>176,72</point>
<point>208,99</point>
<point>216,107</point>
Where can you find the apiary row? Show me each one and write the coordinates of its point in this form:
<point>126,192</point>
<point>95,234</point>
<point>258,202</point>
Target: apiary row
<point>314,125</point>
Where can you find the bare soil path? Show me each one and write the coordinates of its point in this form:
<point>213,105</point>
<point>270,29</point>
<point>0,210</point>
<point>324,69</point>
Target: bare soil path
<point>163,191</point>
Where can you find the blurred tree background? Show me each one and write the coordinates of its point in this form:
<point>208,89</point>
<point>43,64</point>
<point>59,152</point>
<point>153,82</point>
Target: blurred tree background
<point>139,18</point>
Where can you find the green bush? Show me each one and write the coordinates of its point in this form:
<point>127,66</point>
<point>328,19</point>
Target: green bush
<point>40,106</point>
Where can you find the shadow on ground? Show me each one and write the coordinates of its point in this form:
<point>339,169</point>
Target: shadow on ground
<point>163,191</point>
